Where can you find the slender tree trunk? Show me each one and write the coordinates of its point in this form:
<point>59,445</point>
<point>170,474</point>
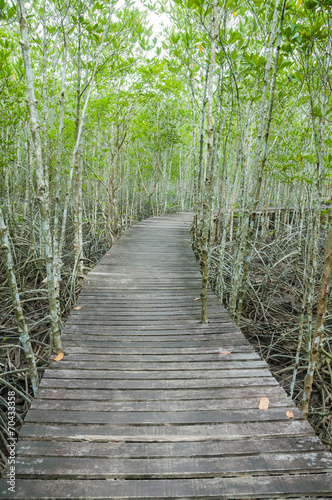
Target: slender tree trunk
<point>78,244</point>
<point>88,91</point>
<point>21,325</point>
<point>45,104</point>
<point>318,336</point>
<point>200,185</point>
<point>42,193</point>
<point>259,163</point>
<point>209,177</point>
<point>319,328</point>
<point>56,243</point>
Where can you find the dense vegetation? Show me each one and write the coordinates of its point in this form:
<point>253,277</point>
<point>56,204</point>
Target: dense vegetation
<point>226,113</point>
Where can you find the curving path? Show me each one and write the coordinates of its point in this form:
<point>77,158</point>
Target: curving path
<point>149,404</point>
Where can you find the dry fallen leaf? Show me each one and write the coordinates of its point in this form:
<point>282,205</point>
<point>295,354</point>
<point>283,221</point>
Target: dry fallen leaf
<point>78,307</point>
<point>264,403</point>
<point>289,414</point>
<point>198,298</point>
<point>225,352</point>
<point>58,357</point>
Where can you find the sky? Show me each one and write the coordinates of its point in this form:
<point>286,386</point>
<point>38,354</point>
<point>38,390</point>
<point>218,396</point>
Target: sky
<point>154,19</point>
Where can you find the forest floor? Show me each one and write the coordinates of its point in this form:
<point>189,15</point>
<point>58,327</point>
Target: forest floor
<point>272,315</point>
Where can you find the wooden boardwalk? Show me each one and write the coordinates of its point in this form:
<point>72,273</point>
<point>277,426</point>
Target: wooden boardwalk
<point>150,404</point>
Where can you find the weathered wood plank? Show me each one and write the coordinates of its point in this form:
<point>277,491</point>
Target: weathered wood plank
<point>161,359</point>
<point>69,364</point>
<point>181,449</point>
<point>124,336</point>
<point>159,433</point>
<point>143,394</point>
<point>157,384</point>
<point>53,467</point>
<point>140,296</point>
<point>152,417</point>
<point>137,322</point>
<point>241,488</point>
<point>153,345</point>
<point>156,375</point>
<point>123,306</point>
<point>155,406</point>
<point>183,351</point>
<point>110,329</point>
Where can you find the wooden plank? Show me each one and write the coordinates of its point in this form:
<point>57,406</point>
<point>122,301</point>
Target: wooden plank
<point>67,364</point>
<point>156,375</point>
<point>96,285</point>
<point>222,327</point>
<point>157,384</point>
<point>153,345</point>
<point>139,297</point>
<point>127,307</point>
<point>160,433</point>
<point>161,274</point>
<point>143,394</point>
<point>161,359</point>
<point>163,303</point>
<point>144,321</point>
<point>119,268</point>
<point>170,296</point>
<point>170,351</point>
<point>182,449</point>
<point>162,417</point>
<point>158,406</point>
<point>130,468</point>
<point>111,329</point>
<point>136,326</point>
<point>241,488</point>
<point>125,336</point>
<point>122,338</point>
<point>125,311</point>
<point>145,335</point>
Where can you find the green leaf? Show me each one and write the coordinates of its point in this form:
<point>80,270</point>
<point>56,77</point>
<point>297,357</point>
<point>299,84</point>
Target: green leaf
<point>298,75</point>
<point>317,112</point>
<point>11,12</point>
